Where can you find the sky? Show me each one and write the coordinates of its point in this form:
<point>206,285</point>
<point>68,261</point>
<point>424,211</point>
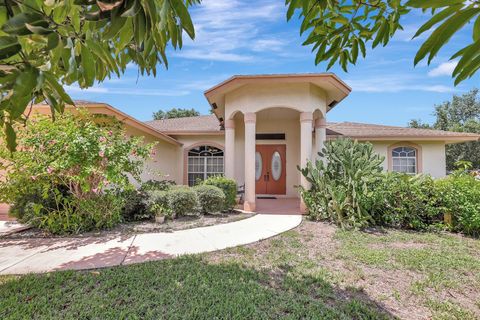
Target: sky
<point>253,37</point>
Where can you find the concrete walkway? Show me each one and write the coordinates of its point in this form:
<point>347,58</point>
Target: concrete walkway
<point>9,227</point>
<point>20,256</point>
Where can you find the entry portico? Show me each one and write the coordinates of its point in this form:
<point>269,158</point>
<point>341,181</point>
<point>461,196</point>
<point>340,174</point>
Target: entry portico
<point>273,123</point>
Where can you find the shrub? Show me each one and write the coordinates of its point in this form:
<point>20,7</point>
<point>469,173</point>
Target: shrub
<point>85,154</point>
<point>210,198</point>
<point>76,215</point>
<point>135,207</point>
<point>459,195</point>
<point>229,188</point>
<point>139,203</point>
<point>157,185</point>
<point>341,187</point>
<point>182,200</point>
<point>405,201</point>
<point>157,203</point>
<point>41,194</point>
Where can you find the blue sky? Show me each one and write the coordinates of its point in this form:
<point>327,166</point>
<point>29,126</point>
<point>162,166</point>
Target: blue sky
<point>253,37</point>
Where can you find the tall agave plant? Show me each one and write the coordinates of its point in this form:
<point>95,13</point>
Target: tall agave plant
<point>341,183</point>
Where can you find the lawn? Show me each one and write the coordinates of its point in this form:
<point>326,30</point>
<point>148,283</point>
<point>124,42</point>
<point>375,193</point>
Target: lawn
<point>313,272</point>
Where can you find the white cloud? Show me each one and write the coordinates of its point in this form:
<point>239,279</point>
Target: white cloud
<point>233,30</point>
<point>268,45</point>
<point>396,83</point>
<point>443,69</point>
<point>126,91</point>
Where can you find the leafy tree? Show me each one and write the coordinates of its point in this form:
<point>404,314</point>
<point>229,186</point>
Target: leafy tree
<point>339,30</point>
<point>66,175</point>
<point>462,114</point>
<point>87,153</point>
<point>47,43</point>
<point>175,113</point>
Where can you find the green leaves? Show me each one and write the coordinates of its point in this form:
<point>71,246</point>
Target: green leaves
<point>48,44</point>
<point>182,13</point>
<point>443,33</point>
<point>338,30</point>
<point>9,46</point>
<point>10,136</point>
<point>17,25</point>
<point>88,66</point>
<point>451,20</point>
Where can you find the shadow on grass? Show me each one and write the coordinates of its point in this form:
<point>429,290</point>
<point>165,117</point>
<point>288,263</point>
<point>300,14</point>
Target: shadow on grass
<point>182,288</point>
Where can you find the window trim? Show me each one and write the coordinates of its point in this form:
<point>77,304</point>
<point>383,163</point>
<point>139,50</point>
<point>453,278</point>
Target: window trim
<point>418,154</point>
<point>193,146</point>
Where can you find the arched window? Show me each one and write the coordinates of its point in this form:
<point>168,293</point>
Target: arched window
<point>404,159</point>
<point>203,162</point>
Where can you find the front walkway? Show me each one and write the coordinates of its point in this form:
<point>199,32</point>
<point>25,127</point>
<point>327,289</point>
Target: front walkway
<point>278,206</point>
<point>20,256</point>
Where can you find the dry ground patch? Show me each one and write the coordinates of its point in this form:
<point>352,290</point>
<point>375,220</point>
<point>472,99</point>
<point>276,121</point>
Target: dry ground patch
<point>409,275</point>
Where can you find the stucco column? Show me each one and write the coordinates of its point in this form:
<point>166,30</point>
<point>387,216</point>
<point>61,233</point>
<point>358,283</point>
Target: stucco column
<point>320,135</point>
<point>230,149</point>
<point>306,119</point>
<point>250,121</point>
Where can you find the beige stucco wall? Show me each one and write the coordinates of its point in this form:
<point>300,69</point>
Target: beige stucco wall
<point>303,97</point>
<point>432,154</point>
<point>163,163</point>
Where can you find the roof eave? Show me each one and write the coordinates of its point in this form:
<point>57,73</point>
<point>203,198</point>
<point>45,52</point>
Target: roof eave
<point>446,139</point>
<point>125,118</point>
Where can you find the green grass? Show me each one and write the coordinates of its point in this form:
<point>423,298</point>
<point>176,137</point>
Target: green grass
<point>182,288</point>
<point>447,261</point>
<point>312,272</point>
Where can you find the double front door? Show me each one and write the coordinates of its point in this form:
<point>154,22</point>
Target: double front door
<point>270,172</point>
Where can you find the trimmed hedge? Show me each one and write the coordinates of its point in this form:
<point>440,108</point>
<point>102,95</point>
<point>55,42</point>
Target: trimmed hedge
<point>229,188</point>
<point>157,185</point>
<point>210,198</point>
<point>182,200</point>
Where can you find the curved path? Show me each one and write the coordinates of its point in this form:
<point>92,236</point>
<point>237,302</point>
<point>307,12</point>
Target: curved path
<point>20,256</point>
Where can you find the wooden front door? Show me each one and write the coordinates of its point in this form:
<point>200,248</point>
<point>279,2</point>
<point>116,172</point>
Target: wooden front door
<point>270,171</point>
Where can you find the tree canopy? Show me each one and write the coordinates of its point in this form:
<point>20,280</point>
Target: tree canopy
<point>340,30</point>
<point>175,113</point>
<point>45,44</point>
<point>462,114</point>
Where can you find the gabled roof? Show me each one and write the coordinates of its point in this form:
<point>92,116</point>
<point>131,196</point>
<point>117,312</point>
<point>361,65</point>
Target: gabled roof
<point>336,89</point>
<point>206,124</point>
<point>103,108</point>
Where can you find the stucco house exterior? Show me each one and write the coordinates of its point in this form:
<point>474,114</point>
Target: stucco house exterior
<point>263,126</point>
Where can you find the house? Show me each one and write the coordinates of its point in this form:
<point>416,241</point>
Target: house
<point>263,126</point>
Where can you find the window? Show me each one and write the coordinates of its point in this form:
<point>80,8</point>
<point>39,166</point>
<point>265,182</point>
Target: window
<point>404,159</point>
<point>203,162</point>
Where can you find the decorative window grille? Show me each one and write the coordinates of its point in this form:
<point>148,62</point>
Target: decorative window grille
<point>203,162</point>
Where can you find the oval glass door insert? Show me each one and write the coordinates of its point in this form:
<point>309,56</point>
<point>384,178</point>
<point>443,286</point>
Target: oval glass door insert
<point>258,165</point>
<point>276,166</point>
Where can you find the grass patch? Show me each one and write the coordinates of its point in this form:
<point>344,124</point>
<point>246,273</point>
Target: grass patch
<point>182,288</point>
<point>447,261</point>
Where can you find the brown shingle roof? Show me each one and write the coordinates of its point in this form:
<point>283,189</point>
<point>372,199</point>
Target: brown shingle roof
<point>206,123</point>
<point>363,131</point>
<point>376,131</point>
